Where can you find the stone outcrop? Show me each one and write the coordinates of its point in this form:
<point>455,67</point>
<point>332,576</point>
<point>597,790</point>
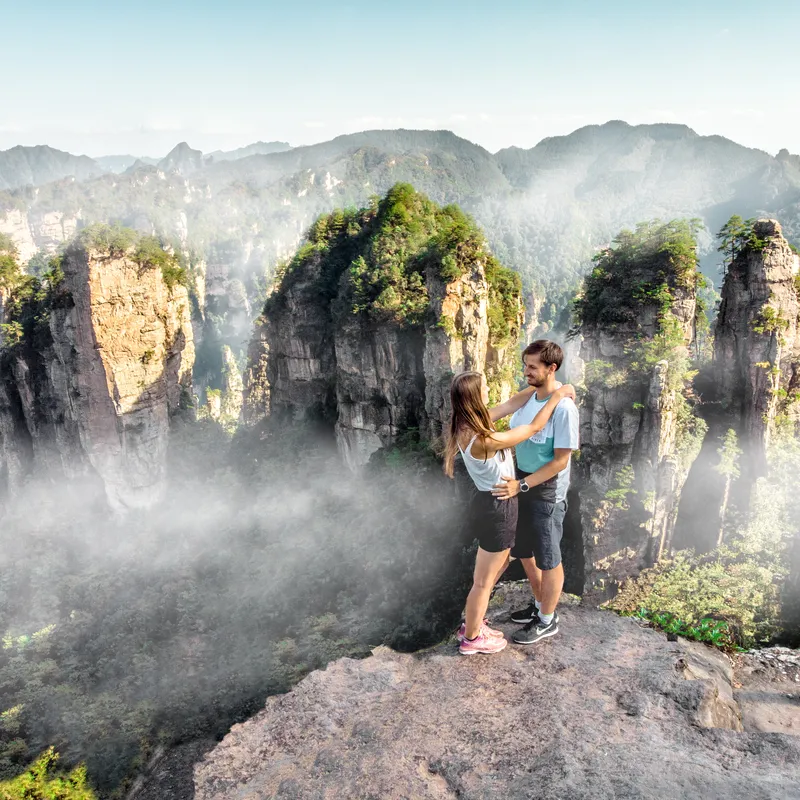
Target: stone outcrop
<point>379,385</point>
<point>14,223</point>
<point>93,393</point>
<point>456,339</point>
<point>757,340</point>
<point>374,380</point>
<point>292,361</point>
<point>638,438</point>
<point>34,230</point>
<point>255,384</point>
<point>375,373</point>
<point>611,701</point>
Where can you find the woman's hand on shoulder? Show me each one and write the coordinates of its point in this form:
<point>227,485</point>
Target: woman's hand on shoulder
<point>567,390</point>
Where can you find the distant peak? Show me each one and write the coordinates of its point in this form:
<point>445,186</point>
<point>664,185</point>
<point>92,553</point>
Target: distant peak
<point>182,159</point>
<point>182,148</point>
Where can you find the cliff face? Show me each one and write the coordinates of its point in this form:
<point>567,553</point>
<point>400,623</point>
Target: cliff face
<point>295,349</point>
<point>370,345</point>
<point>757,342</point>
<point>638,434</point>
<point>91,388</point>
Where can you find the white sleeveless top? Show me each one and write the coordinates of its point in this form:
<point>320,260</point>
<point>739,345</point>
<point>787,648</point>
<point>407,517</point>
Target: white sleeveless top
<point>485,474</point>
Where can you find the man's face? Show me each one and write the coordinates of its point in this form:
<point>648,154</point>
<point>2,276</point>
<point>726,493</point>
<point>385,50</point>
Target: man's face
<point>536,373</point>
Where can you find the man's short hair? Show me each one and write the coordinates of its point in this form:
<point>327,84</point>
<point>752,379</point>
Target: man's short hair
<point>548,352</point>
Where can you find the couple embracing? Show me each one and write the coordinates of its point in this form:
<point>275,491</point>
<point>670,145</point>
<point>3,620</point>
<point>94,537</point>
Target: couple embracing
<point>517,511</point>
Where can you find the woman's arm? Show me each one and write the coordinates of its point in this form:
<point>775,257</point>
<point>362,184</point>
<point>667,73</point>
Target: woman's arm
<point>499,440</point>
<point>512,404</point>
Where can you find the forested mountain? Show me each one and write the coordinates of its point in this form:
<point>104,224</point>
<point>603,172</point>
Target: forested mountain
<point>122,162</point>
<point>255,149</point>
<point>545,210</point>
<point>22,166</point>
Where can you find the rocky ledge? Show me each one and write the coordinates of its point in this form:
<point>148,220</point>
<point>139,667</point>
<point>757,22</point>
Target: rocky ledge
<point>606,709</point>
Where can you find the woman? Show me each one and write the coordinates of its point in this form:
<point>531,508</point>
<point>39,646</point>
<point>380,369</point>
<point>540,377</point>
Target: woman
<point>487,457</point>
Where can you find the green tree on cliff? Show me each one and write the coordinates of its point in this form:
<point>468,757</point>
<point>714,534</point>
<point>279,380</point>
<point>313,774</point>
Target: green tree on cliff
<point>728,467</point>
<point>734,236</point>
<point>9,268</point>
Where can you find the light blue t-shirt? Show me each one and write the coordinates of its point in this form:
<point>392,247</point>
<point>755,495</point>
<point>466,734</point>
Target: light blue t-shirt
<point>561,431</point>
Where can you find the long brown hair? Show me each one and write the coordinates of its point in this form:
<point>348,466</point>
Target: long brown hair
<point>469,411</point>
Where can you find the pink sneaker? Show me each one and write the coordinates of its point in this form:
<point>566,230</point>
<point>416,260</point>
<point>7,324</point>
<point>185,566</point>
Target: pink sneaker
<point>463,630</point>
<point>484,643</point>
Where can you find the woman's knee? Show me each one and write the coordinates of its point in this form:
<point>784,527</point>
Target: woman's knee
<point>483,582</point>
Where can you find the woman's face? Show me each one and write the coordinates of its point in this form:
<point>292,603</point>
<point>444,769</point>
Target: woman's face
<point>484,390</point>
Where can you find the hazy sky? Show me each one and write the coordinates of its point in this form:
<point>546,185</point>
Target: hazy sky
<point>137,77</point>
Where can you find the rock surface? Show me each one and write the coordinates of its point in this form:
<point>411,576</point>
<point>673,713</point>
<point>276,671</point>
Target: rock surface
<point>605,710</point>
<point>630,473</point>
<point>95,395</point>
<point>757,339</point>
<point>380,369</point>
<point>767,689</point>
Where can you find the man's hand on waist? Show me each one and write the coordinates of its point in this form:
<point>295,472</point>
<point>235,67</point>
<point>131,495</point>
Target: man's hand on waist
<point>506,489</point>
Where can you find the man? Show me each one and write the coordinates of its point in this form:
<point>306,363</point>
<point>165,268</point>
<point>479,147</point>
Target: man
<point>543,472</point>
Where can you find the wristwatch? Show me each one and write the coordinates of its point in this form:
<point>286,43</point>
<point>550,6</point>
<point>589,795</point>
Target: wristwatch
<point>523,485</point>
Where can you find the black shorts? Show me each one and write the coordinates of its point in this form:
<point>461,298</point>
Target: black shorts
<point>493,522</point>
<point>541,526</point>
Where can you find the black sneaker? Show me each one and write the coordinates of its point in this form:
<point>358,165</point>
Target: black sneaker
<point>536,630</point>
<point>523,615</point>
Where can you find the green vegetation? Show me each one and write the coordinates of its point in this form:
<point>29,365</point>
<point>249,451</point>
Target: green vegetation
<point>717,632</point>
<point>31,298</point>
<point>27,309</point>
<point>112,239</point>
<point>150,252</point>
<point>9,267</point>
<point>373,263</point>
<point>505,290</point>
<point>39,783</point>
<point>770,320</point>
<point>741,581</point>
<point>643,270</point>
<point>623,487</point>
<point>736,236</point>
<point>632,292</point>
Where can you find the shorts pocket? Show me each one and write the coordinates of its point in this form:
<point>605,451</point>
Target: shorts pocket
<point>541,508</point>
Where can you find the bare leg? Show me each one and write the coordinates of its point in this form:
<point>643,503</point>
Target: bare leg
<point>534,577</point>
<point>552,584</point>
<point>500,571</point>
<point>486,570</point>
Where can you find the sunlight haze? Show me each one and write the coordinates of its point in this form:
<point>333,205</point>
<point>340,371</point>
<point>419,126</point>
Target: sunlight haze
<point>140,78</point>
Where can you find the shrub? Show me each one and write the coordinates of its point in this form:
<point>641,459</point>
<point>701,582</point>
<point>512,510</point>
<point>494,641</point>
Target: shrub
<point>642,269</point>
<point>741,581</point>
<point>39,783</point>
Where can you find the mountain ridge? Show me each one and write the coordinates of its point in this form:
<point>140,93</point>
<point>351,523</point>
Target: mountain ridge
<point>545,210</point>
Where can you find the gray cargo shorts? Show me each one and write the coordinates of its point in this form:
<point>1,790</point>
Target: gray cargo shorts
<point>540,526</point>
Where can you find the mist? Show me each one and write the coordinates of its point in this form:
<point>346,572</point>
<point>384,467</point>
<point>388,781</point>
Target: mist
<point>266,560</point>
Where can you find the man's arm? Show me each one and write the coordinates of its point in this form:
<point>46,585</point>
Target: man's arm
<point>509,487</point>
<point>512,404</point>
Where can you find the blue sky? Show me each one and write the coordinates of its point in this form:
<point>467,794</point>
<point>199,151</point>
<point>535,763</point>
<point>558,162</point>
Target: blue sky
<point>123,77</point>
